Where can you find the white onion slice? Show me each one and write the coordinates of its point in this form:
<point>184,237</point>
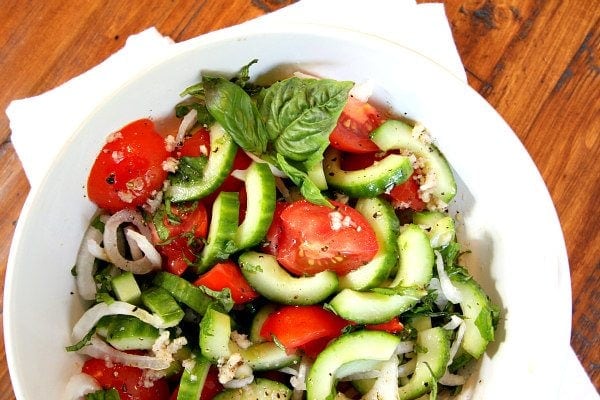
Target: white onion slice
<point>449,290</point>
<point>84,265</point>
<point>142,265</point>
<point>362,91</point>
<point>97,251</point>
<point>90,318</point>
<point>239,174</point>
<point>440,300</point>
<point>134,249</point>
<point>451,379</point>
<point>407,368</point>
<point>405,347</point>
<point>100,349</point>
<point>79,385</point>
<point>386,385</point>
<point>144,247</point>
<point>186,124</point>
<point>460,333</point>
<point>239,383</point>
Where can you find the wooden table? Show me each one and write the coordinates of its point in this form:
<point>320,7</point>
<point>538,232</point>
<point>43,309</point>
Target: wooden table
<point>537,62</point>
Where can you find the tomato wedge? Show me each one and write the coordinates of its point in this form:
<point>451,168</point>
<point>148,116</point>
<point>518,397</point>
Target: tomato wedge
<point>406,195</point>
<point>357,121</point>
<point>128,381</point>
<point>316,238</point>
<point>228,275</point>
<point>392,326</point>
<point>297,326</point>
<point>129,167</point>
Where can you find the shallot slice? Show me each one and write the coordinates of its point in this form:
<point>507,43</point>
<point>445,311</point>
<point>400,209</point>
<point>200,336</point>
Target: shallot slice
<point>100,349</point>
<point>84,265</point>
<point>79,385</point>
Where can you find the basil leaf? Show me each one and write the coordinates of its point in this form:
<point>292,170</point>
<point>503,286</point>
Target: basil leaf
<point>108,394</point>
<point>236,112</point>
<point>242,78</point>
<point>83,342</point>
<point>484,324</point>
<point>190,169</point>
<point>309,190</point>
<point>301,113</point>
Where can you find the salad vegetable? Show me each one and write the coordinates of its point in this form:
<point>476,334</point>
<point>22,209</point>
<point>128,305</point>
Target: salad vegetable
<point>288,241</point>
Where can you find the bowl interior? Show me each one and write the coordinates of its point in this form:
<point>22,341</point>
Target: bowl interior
<point>517,251</point>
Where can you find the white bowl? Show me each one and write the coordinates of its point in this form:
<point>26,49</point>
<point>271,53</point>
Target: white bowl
<point>508,219</point>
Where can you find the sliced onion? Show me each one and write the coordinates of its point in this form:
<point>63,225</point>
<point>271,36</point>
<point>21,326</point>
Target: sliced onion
<point>186,124</point>
<point>405,347</point>
<point>407,368</point>
<point>142,265</point>
<point>79,385</point>
<point>440,300</point>
<point>386,385</point>
<point>239,174</point>
<point>274,170</point>
<point>84,265</point>
<point>239,383</point>
<point>90,318</point>
<point>97,251</point>
<point>143,246</point>
<point>460,333</point>
<point>451,379</point>
<point>448,289</point>
<point>362,91</point>
<point>373,374</point>
<point>100,349</point>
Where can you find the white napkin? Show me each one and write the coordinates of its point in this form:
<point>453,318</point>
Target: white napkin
<point>41,125</point>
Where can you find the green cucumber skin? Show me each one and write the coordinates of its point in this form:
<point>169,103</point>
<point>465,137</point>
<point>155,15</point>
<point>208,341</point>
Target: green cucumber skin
<point>220,162</point>
<point>261,192</point>
<point>416,258</point>
<point>268,278</point>
<point>397,135</point>
<point>382,218</point>
<point>351,347</point>
<point>215,330</point>
<point>183,291</point>
<point>223,225</point>
<point>432,359</point>
<point>260,389</point>
<point>192,380</point>
<point>440,227</point>
<point>267,356</point>
<point>126,288</point>
<point>161,303</point>
<point>372,307</point>
<point>259,320</point>
<point>125,332</point>
<point>368,182</point>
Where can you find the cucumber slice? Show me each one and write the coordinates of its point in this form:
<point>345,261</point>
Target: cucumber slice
<point>223,225</point>
<point>372,307</point>
<point>267,356</point>
<point>433,353</point>
<point>261,192</point>
<point>382,218</point>
<point>477,310</point>
<point>215,330</point>
<point>220,162</point>
<point>268,278</point>
<point>161,303</point>
<point>126,288</point>
<point>355,347</point>
<point>183,291</point>
<point>440,227</point>
<point>368,182</point>
<point>317,175</point>
<point>416,261</point>
<point>259,320</point>
<point>260,389</point>
<point>126,332</point>
<point>193,378</point>
<point>397,135</point>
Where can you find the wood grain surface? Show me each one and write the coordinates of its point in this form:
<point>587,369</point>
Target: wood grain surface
<point>536,61</point>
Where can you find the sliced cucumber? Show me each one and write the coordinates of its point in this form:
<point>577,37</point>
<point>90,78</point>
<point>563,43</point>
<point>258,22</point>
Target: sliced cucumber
<point>352,348</point>
<point>372,307</point>
<point>382,218</point>
<point>223,225</point>
<point>260,389</point>
<point>260,189</point>
<point>366,182</point>
<point>433,353</point>
<point>268,278</point>
<point>215,330</point>
<point>220,162</point>
<point>126,332</point>
<point>317,175</point>
<point>267,356</point>
<point>258,321</point>
<point>193,378</point>
<point>416,258</point>
<point>397,135</point>
<point>477,310</point>
<point>126,288</point>
<point>183,291</point>
<point>440,227</point>
<point>161,303</point>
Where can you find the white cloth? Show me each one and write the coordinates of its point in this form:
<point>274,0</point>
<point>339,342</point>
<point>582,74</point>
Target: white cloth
<point>41,125</point>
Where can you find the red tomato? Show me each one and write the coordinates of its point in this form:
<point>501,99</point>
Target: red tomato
<point>406,195</point>
<point>316,238</point>
<point>196,145</point>
<point>357,121</point>
<point>355,161</point>
<point>297,326</point>
<point>211,387</point>
<point>228,275</point>
<point>129,167</point>
<point>193,219</point>
<point>128,381</point>
<point>274,232</point>
<point>392,326</point>
<point>177,254</point>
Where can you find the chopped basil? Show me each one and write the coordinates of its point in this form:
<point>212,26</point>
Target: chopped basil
<point>108,394</point>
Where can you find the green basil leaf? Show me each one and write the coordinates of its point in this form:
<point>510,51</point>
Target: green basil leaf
<point>203,117</point>
<point>236,112</point>
<point>309,190</point>
<point>242,78</point>
<point>301,113</point>
<point>83,342</point>
<point>108,394</point>
<point>190,169</point>
<point>484,323</point>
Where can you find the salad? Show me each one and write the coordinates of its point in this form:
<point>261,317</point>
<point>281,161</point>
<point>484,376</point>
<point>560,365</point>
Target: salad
<point>289,241</point>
